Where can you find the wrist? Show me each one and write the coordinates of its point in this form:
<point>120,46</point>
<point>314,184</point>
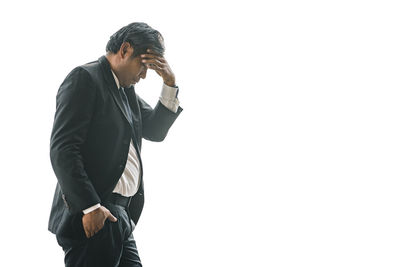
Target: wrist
<point>92,208</point>
<point>170,83</point>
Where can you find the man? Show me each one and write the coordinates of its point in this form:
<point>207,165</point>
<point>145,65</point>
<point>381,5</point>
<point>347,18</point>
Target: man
<point>95,148</point>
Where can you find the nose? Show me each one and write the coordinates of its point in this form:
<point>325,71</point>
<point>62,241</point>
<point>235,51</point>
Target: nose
<point>143,73</point>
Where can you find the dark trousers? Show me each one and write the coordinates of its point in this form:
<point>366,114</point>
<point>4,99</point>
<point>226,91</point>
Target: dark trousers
<point>112,246</point>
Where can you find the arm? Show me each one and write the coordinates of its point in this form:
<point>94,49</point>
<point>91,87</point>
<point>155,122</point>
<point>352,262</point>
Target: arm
<point>156,122</point>
<point>75,107</point>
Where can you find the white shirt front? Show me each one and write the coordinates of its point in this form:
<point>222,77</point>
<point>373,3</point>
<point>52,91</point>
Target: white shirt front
<point>128,184</point>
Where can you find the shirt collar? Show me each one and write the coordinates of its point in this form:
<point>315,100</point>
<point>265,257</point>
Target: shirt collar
<point>116,79</point>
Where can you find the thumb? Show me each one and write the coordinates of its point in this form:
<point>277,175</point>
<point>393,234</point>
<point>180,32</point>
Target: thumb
<point>111,217</point>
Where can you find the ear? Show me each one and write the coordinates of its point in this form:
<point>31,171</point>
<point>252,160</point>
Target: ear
<point>126,50</point>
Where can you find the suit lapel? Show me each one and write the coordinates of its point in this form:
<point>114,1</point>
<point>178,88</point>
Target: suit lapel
<point>130,92</point>
<point>112,87</point>
<point>118,100</point>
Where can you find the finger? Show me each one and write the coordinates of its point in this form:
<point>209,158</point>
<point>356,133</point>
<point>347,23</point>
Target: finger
<point>99,227</point>
<point>87,233</point>
<point>112,217</point>
<point>151,56</point>
<point>97,230</point>
<point>153,67</point>
<point>156,68</point>
<point>153,61</point>
<point>148,56</point>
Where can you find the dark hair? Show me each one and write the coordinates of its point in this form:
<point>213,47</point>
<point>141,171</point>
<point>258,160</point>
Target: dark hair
<point>140,36</point>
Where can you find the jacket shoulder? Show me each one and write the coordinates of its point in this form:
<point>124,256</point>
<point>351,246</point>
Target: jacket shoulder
<point>91,67</point>
<point>89,72</point>
<point>94,70</point>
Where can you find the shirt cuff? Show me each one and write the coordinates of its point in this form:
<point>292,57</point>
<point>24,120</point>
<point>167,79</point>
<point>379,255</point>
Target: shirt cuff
<point>169,97</point>
<point>92,208</point>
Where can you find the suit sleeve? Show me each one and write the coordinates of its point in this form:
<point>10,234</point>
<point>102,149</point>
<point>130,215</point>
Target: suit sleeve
<point>74,110</point>
<point>156,122</point>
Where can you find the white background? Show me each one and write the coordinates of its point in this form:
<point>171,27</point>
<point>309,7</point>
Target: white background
<point>287,151</point>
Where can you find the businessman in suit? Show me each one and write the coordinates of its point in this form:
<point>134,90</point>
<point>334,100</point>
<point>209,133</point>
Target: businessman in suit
<point>95,148</point>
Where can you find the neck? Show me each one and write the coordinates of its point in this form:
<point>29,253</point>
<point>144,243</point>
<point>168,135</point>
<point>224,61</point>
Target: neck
<point>113,60</point>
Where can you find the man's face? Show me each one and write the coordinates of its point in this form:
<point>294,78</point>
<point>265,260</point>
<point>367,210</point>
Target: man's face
<point>131,71</point>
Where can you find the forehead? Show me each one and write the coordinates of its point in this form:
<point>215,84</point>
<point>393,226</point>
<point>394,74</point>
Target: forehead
<point>135,62</point>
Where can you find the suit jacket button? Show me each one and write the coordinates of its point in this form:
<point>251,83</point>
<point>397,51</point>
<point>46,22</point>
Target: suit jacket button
<point>121,166</point>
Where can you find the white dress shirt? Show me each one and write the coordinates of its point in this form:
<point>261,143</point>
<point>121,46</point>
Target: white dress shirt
<point>128,184</point>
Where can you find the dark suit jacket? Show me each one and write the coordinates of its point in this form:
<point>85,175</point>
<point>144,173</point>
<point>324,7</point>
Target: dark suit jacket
<point>90,143</point>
